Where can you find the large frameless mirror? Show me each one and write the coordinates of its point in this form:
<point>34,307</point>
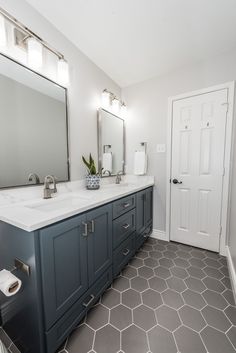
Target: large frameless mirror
<point>33,126</point>
<point>111,143</point>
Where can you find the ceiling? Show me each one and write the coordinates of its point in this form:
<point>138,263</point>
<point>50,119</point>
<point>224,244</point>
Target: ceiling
<point>134,40</point>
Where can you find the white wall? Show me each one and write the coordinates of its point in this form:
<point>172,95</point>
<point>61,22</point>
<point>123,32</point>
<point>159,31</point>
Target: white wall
<point>87,82</point>
<point>147,106</point>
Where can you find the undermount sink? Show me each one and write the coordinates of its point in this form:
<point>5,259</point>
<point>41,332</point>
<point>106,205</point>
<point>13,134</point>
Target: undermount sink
<point>55,205</point>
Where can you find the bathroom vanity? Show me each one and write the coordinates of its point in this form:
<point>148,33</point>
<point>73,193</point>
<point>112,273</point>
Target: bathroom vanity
<point>74,252</point>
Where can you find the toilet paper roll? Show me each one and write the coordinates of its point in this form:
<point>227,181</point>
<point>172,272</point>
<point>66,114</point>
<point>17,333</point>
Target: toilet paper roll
<point>9,284</point>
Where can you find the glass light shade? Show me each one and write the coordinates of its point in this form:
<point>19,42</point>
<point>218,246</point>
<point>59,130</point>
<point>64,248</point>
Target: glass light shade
<point>106,99</point>
<point>3,35</point>
<point>63,72</point>
<point>115,105</point>
<point>123,111</point>
<point>35,53</point>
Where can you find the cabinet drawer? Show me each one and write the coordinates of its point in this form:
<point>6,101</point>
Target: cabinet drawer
<point>123,254</point>
<point>140,239</point>
<point>123,205</point>
<point>123,227</point>
<point>60,331</point>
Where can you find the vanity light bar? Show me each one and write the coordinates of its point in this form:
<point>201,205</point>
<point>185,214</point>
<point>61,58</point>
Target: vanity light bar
<point>110,98</point>
<point>30,33</point>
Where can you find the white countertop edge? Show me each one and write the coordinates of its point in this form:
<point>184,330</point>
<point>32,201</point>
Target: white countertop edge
<point>36,225</point>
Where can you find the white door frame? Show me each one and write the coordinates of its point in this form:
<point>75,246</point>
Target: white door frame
<point>228,151</point>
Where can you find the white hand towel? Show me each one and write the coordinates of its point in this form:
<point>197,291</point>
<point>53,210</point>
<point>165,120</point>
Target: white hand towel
<point>140,163</point>
<point>107,161</point>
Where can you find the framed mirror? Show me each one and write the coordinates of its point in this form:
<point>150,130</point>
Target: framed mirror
<point>33,126</point>
<point>111,143</point>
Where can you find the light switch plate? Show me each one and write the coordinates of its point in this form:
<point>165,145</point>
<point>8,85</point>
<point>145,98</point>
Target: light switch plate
<point>161,148</point>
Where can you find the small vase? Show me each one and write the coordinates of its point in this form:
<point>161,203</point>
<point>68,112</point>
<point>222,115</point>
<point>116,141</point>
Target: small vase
<point>92,182</point>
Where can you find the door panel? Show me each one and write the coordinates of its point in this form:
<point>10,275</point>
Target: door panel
<point>140,211</point>
<point>64,279</point>
<point>99,241</point>
<point>148,206</point>
<point>198,140</point>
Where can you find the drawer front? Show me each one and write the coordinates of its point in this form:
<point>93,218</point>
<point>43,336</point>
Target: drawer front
<point>123,205</point>
<point>140,239</point>
<point>60,331</point>
<point>123,227</point>
<point>123,254</point>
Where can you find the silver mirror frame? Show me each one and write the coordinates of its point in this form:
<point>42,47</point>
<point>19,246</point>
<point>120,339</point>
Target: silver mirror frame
<point>67,121</point>
<point>100,152</point>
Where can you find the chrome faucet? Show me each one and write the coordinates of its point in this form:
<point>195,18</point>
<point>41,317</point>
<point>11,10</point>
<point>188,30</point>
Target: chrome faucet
<point>107,172</point>
<point>47,191</point>
<point>34,177</point>
<point>118,176</point>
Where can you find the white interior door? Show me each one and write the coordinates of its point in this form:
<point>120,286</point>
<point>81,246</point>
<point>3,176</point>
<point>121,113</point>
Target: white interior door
<point>198,144</point>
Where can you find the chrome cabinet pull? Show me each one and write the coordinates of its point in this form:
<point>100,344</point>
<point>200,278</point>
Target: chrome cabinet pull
<point>92,226</point>
<point>85,234</point>
<point>90,301</point>
<point>126,226</point>
<point>126,204</point>
<point>126,252</point>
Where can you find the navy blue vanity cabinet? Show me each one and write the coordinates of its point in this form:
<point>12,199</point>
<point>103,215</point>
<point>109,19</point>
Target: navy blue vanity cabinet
<point>99,241</point>
<point>72,263</point>
<point>64,258</point>
<point>144,215</point>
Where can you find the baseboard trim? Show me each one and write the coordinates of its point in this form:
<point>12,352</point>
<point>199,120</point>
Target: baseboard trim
<point>232,271</point>
<point>159,234</point>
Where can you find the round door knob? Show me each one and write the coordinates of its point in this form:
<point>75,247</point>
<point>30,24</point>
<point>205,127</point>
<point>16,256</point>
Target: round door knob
<point>175,181</point>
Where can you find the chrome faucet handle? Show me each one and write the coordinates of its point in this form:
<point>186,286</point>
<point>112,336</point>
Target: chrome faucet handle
<point>47,192</point>
<point>118,176</point>
<point>34,177</point>
<point>107,172</point>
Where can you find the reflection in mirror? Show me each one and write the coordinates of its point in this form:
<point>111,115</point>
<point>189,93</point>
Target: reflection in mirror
<point>111,145</point>
<point>33,133</point>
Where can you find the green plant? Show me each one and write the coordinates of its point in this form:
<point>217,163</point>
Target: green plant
<point>90,164</point>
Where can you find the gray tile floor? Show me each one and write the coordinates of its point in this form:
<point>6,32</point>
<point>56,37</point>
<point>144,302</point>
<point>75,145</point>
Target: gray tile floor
<point>170,298</point>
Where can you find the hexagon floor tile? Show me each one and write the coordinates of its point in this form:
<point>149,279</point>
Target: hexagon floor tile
<point>170,298</point>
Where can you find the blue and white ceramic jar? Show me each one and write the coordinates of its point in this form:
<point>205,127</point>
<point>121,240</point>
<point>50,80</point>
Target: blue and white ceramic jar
<point>92,182</point>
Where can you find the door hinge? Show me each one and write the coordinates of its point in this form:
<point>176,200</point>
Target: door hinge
<point>220,231</point>
<point>226,104</point>
<point>223,171</point>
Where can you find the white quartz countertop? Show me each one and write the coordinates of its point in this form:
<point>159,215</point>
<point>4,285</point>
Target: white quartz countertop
<point>25,207</point>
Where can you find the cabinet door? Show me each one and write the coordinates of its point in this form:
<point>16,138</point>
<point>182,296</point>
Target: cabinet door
<point>140,211</point>
<point>99,241</point>
<point>64,266</point>
<point>148,206</point>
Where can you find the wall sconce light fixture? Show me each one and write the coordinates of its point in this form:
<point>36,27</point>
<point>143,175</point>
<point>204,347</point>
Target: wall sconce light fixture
<point>63,72</point>
<point>34,47</point>
<point>113,104</point>
<point>123,110</point>
<point>3,35</point>
<point>35,53</point>
<point>106,98</point>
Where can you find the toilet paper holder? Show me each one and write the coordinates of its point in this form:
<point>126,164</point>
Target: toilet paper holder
<point>21,266</point>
